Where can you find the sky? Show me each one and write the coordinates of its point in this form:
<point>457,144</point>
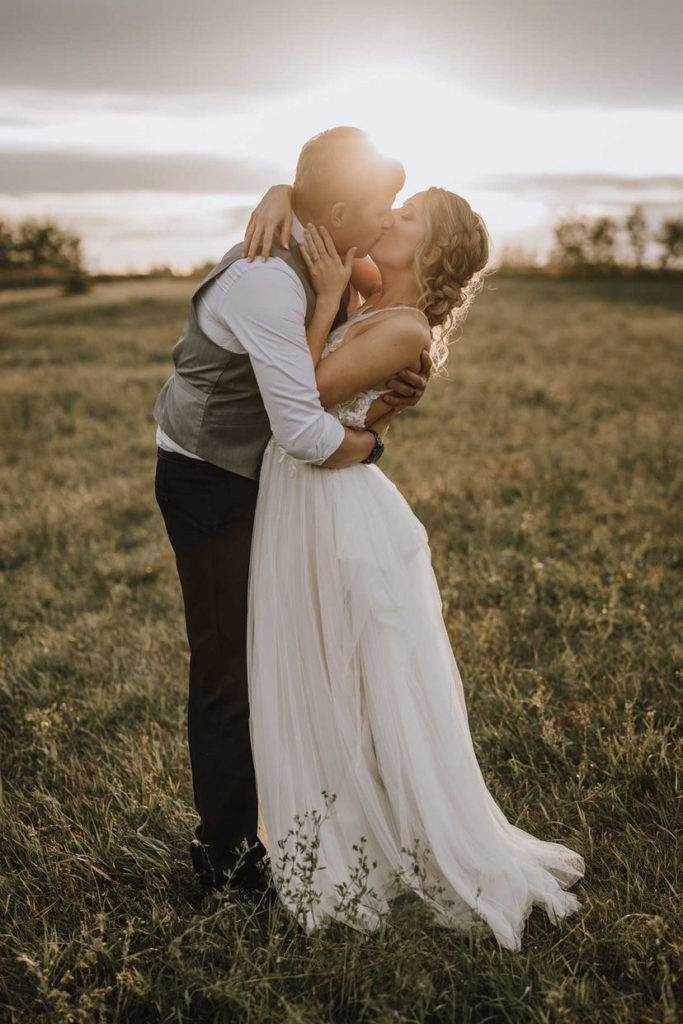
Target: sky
<point>153,128</point>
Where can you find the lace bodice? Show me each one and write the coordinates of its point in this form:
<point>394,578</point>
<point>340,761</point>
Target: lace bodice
<point>352,411</point>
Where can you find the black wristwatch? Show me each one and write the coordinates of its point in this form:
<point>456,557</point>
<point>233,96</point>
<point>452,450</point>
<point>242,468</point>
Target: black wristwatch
<point>378,449</point>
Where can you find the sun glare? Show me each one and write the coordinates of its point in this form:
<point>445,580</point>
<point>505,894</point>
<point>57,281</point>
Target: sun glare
<point>445,132</point>
<point>408,112</point>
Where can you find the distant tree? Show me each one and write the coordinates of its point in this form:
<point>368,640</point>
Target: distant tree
<point>603,236</point>
<point>671,240</point>
<point>161,270</point>
<point>6,244</point>
<point>572,244</point>
<point>584,244</point>
<point>44,250</point>
<point>39,244</point>
<point>636,231</point>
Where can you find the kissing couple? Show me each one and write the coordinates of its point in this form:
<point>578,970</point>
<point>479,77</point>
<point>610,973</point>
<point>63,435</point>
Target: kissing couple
<point>323,689</point>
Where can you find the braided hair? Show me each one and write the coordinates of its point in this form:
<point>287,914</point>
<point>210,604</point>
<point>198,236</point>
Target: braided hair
<point>449,265</point>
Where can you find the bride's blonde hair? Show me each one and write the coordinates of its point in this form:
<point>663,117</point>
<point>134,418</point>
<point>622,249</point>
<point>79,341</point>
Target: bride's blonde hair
<point>449,265</point>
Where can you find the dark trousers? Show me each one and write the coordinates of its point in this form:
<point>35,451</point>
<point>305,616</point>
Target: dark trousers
<point>209,517</point>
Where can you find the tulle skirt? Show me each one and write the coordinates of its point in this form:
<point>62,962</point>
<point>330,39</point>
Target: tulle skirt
<point>367,777</point>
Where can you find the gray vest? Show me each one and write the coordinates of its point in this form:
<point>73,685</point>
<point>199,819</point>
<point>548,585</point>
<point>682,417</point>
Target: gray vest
<point>211,405</point>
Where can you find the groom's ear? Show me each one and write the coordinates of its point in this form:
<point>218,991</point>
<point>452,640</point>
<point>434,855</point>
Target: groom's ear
<point>337,214</point>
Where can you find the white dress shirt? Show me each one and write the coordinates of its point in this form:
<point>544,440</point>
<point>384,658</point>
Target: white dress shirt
<point>264,304</point>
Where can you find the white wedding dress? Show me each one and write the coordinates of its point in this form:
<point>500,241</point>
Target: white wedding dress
<point>367,778</point>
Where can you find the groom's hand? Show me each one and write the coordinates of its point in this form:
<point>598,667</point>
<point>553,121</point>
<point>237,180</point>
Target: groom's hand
<point>407,387</point>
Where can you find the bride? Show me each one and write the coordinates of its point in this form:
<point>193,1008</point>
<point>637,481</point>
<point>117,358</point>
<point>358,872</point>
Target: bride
<point>367,777</point>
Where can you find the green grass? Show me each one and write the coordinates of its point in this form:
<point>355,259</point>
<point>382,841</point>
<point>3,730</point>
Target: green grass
<point>547,471</point>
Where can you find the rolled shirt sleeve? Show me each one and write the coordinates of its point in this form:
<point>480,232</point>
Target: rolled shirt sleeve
<point>264,305</point>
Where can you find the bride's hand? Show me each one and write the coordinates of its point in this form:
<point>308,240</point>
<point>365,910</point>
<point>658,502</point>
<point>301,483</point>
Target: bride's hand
<point>272,213</point>
<point>327,272</point>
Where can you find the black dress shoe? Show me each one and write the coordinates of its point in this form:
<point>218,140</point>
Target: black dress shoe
<point>203,866</point>
<point>249,879</point>
<point>254,879</point>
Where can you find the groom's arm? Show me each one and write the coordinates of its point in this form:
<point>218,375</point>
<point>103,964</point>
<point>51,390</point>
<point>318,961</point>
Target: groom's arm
<point>264,305</point>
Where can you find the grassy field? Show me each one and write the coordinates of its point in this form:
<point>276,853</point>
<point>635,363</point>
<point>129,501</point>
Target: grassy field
<point>547,471</point>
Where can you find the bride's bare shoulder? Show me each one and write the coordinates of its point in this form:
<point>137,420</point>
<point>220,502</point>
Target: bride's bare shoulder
<point>410,323</point>
<point>406,329</point>
<point>417,329</point>
<point>416,318</point>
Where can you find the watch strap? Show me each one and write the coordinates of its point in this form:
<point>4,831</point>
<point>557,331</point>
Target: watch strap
<point>377,450</point>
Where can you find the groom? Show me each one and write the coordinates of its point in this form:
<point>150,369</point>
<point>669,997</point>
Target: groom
<point>243,372</point>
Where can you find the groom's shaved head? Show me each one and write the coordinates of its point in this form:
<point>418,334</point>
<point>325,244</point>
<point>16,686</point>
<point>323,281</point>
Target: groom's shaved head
<point>341,165</point>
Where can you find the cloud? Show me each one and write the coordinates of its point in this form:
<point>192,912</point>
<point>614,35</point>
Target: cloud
<point>586,52</point>
<point>11,121</point>
<point>24,172</point>
<point>654,190</point>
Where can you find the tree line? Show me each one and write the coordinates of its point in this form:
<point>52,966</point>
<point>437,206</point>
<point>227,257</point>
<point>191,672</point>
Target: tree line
<point>607,243</point>
<point>34,251</point>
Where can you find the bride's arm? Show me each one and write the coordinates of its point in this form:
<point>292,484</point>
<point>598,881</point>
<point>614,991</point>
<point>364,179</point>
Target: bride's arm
<point>377,410</point>
<point>384,349</point>
<point>274,214</point>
